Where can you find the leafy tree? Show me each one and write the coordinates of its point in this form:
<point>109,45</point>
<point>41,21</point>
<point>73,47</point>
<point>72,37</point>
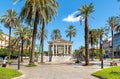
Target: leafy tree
<point>70,32</point>
<point>85,11</point>
<point>96,53</point>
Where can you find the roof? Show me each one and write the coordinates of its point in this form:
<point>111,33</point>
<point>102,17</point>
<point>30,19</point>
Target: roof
<point>60,41</point>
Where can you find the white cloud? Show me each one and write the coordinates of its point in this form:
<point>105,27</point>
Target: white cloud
<point>72,17</point>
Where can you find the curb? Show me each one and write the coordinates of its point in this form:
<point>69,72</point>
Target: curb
<point>19,77</point>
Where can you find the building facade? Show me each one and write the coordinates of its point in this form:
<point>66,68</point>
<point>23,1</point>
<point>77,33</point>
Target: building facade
<point>116,44</point>
<point>107,46</point>
<point>4,40</point>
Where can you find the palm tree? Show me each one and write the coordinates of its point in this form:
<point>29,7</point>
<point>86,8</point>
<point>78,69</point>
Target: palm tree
<point>22,33</point>
<point>102,32</point>
<point>38,11</point>
<point>113,23</point>
<point>71,32</point>
<point>39,35</point>
<point>28,41</point>
<point>85,11</point>
<point>48,12</point>
<point>92,39</point>
<point>9,20</point>
<point>56,34</point>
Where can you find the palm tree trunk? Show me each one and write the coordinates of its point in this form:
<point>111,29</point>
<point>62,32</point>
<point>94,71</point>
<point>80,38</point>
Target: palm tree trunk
<point>86,42</point>
<point>42,41</point>
<point>92,48</point>
<point>70,37</point>
<point>34,39</point>
<point>9,54</point>
<point>112,45</point>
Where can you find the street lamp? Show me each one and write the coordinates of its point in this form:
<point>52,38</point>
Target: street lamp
<point>18,56</point>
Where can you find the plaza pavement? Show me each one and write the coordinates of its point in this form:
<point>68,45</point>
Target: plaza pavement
<point>60,70</point>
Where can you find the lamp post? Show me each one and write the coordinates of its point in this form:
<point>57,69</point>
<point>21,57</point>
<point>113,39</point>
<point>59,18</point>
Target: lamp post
<point>18,56</point>
<point>101,54</point>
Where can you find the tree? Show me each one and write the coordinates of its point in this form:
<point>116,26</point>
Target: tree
<point>9,21</point>
<point>71,32</point>
<point>85,11</point>
<point>39,35</point>
<point>38,11</point>
<point>101,31</point>
<point>113,23</point>
<point>28,41</point>
<point>22,34</point>
<point>56,34</point>
<point>49,10</point>
<point>92,39</point>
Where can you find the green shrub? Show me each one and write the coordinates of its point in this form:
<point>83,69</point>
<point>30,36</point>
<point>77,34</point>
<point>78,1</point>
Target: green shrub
<point>14,53</point>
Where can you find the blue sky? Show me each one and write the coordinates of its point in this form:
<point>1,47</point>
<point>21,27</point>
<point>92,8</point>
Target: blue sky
<point>66,16</point>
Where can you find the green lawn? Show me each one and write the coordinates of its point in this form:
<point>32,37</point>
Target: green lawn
<point>6,73</point>
<point>108,73</point>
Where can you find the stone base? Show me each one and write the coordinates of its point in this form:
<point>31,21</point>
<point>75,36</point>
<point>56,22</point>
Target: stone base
<point>56,59</point>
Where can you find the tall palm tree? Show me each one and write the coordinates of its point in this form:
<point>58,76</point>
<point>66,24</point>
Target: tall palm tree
<point>113,23</point>
<point>9,20</point>
<point>85,11</point>
<point>56,34</point>
<point>101,32</point>
<point>92,39</point>
<point>22,33</point>
<point>71,32</point>
<point>39,35</point>
<point>38,11</point>
<point>48,11</point>
<point>28,41</point>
